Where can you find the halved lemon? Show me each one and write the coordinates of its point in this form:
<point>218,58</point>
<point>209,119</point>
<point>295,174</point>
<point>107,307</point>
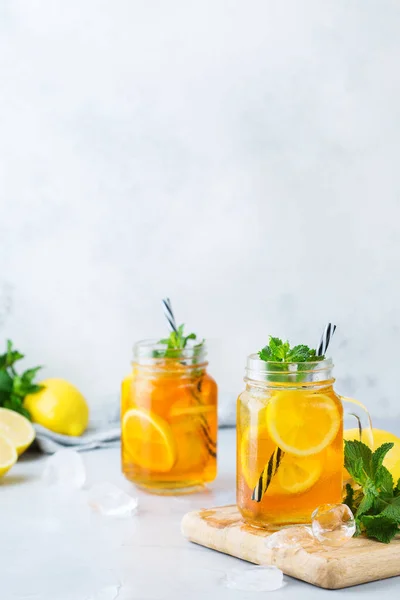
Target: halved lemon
<point>297,475</point>
<point>149,441</point>
<point>8,455</point>
<point>17,429</point>
<point>392,458</point>
<point>256,448</point>
<point>302,423</point>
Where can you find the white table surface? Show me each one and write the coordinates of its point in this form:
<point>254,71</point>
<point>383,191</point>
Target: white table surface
<point>54,547</point>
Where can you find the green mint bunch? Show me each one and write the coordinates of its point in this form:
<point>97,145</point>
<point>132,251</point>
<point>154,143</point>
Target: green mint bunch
<point>279,351</point>
<point>176,342</point>
<point>14,387</point>
<point>376,503</point>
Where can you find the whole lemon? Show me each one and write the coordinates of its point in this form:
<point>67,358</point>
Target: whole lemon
<point>59,406</point>
<point>392,458</point>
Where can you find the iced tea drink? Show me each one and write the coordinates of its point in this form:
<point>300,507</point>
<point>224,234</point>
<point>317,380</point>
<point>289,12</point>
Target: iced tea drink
<point>169,419</point>
<point>289,441</point>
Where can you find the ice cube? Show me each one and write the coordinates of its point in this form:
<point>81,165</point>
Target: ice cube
<point>66,469</point>
<point>255,579</point>
<point>333,524</point>
<point>109,500</point>
<point>290,537</point>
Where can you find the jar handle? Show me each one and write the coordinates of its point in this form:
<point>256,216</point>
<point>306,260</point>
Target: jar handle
<point>364,425</point>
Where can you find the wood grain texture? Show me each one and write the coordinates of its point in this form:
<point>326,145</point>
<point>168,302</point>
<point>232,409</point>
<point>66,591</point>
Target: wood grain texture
<point>359,561</point>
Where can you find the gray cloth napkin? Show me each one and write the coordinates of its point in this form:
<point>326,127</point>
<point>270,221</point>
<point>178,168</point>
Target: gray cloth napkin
<point>50,442</point>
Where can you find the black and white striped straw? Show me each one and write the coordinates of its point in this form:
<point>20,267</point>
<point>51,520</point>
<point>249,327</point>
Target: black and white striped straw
<point>325,339</point>
<point>169,315</point>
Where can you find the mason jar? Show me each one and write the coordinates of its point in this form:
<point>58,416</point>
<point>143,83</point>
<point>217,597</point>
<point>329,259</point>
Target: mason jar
<point>290,441</point>
<point>169,419</point>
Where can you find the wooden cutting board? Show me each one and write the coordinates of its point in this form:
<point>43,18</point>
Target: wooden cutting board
<point>359,561</point>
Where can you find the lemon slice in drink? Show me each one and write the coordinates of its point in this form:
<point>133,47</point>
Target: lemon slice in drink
<point>17,429</point>
<point>297,475</point>
<point>256,448</point>
<point>8,455</point>
<point>148,440</point>
<point>302,423</point>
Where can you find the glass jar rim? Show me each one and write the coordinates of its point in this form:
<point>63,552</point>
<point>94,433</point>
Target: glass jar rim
<point>152,351</point>
<point>280,372</point>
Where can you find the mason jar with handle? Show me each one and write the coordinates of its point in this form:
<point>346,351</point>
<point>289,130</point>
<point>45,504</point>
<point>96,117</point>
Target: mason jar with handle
<point>290,440</point>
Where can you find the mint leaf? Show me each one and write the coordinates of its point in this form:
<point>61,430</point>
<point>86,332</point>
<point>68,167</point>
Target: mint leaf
<point>280,354</point>
<point>384,481</point>
<point>275,343</point>
<point>358,472</point>
<point>176,342</point>
<point>380,527</point>
<point>349,498</point>
<point>14,387</point>
<point>392,510</point>
<point>365,504</point>
<point>6,382</point>
<point>379,455</point>
<point>299,354</point>
<point>191,336</point>
<point>266,354</point>
<point>22,384</point>
<point>279,351</point>
<point>357,460</point>
<point>10,357</point>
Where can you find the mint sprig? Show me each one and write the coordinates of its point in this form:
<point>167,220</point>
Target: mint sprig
<point>279,351</point>
<point>14,387</point>
<point>376,503</point>
<point>176,342</point>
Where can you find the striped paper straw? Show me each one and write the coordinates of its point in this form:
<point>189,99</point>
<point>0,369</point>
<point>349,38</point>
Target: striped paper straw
<point>169,315</point>
<point>325,339</point>
<point>267,474</point>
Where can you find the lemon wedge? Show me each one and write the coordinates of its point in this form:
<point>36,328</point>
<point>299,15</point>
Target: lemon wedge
<point>8,455</point>
<point>148,440</point>
<point>17,429</point>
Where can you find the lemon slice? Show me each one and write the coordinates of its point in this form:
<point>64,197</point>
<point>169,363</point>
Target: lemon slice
<point>17,429</point>
<point>256,448</point>
<point>297,475</point>
<point>302,423</point>
<point>8,455</point>
<point>148,440</point>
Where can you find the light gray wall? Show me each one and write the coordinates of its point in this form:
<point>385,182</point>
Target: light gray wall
<point>241,157</point>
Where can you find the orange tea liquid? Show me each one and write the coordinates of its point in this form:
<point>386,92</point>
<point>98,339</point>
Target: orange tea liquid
<point>306,425</point>
<point>169,427</point>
